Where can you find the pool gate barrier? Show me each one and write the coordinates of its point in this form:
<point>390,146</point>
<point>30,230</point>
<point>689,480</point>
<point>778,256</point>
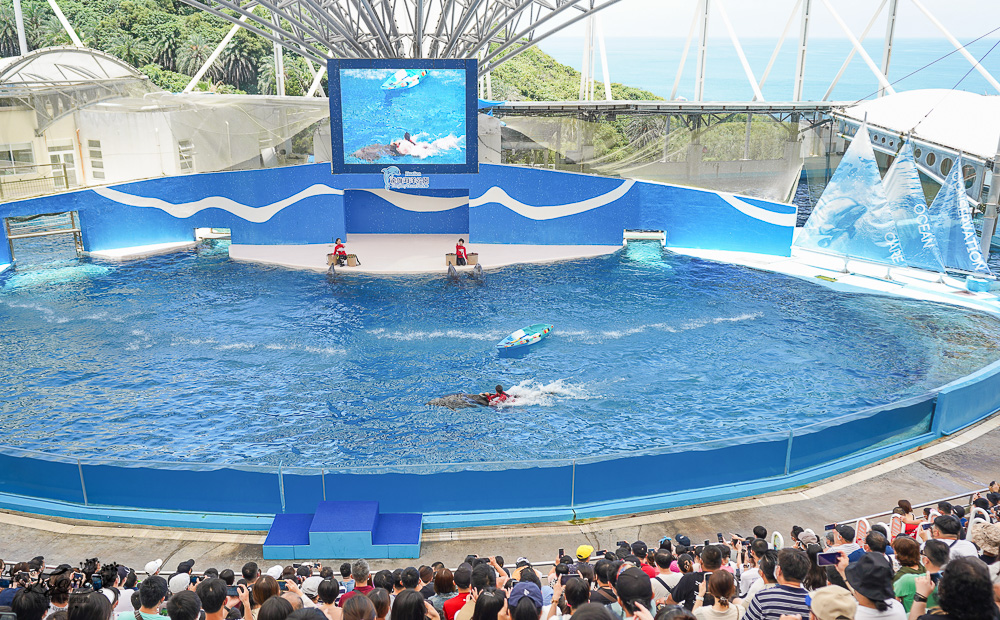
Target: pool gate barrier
<point>43,225</point>
<point>644,235</point>
<point>344,530</point>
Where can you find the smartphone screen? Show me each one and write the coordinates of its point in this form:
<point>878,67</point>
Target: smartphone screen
<point>721,539</point>
<point>829,527</point>
<point>562,552</point>
<point>282,585</point>
<point>935,578</point>
<point>232,591</point>
<point>194,579</point>
<point>926,526</point>
<point>827,559</point>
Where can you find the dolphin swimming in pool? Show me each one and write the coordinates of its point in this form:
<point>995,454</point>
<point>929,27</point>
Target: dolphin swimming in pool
<point>459,401</point>
<point>375,152</point>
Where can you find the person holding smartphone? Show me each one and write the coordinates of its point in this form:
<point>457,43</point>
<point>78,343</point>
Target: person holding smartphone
<point>908,588</point>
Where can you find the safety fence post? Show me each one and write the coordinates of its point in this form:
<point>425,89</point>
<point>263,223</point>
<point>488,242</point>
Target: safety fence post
<point>281,487</point>
<point>83,485</point>
<point>788,451</point>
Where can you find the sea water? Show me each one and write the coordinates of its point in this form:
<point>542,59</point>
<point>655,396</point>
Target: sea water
<point>193,357</point>
<point>651,63</point>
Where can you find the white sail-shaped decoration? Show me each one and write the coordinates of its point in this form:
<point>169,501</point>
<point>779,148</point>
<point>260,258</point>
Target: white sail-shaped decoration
<point>951,219</point>
<point>852,217</point>
<point>906,201</point>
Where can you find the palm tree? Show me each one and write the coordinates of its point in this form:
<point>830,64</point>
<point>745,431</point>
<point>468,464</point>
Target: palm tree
<point>9,45</point>
<point>135,52</point>
<point>265,77</point>
<point>163,50</point>
<point>238,67</point>
<point>193,55</point>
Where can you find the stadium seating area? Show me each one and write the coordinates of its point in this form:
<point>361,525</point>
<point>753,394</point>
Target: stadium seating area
<point>937,561</point>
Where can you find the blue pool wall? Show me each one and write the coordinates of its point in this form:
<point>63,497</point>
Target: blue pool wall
<point>507,204</point>
<point>192,495</point>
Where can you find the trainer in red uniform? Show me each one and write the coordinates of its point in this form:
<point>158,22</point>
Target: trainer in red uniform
<point>340,252</point>
<point>499,397</point>
<point>461,257</point>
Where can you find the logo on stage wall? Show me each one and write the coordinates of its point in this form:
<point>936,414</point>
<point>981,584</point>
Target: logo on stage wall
<point>394,179</point>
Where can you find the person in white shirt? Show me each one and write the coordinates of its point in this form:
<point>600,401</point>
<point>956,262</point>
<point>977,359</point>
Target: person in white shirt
<point>947,528</point>
<point>665,580</point>
<point>766,564</point>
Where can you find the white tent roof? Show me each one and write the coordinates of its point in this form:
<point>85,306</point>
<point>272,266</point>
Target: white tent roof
<point>63,65</point>
<point>956,119</point>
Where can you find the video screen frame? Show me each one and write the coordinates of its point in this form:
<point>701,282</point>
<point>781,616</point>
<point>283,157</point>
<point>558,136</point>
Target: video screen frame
<point>470,66</point>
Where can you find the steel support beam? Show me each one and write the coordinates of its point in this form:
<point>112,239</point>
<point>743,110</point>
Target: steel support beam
<point>699,79</point>
<point>22,41</point>
<point>800,54</point>
<point>890,33</point>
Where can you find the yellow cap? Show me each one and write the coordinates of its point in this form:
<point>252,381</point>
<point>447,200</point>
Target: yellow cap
<point>583,552</point>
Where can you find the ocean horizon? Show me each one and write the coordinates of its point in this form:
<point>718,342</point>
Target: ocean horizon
<point>650,63</point>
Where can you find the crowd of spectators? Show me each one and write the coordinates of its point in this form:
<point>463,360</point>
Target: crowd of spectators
<point>940,565</point>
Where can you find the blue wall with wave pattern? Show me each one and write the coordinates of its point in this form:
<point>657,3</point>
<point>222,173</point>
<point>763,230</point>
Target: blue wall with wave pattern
<point>508,204</point>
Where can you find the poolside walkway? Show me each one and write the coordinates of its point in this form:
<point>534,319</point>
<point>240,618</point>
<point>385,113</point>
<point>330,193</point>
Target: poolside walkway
<point>958,464</point>
<point>385,254</point>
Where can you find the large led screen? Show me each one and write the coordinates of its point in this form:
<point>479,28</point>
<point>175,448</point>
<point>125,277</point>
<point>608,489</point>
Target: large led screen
<point>417,115</point>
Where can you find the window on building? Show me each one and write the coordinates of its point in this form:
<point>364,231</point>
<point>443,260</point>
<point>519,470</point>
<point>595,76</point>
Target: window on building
<point>96,159</point>
<point>185,149</point>
<point>17,158</point>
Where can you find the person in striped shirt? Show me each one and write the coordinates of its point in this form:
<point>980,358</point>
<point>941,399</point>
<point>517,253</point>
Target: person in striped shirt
<point>788,597</point>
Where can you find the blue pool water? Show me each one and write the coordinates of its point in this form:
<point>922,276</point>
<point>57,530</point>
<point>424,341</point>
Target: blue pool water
<point>432,112</point>
<point>194,357</point>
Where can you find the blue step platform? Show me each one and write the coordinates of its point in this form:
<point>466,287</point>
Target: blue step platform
<point>344,530</point>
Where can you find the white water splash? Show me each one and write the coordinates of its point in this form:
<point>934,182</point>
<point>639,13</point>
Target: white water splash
<point>406,336</point>
<point>531,392</point>
<point>615,334</point>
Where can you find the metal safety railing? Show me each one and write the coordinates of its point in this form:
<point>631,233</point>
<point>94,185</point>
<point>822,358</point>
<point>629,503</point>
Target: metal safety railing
<point>26,180</point>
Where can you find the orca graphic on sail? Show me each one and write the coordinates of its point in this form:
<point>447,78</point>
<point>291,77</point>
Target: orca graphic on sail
<point>853,217</point>
<point>908,207</point>
<point>951,219</point>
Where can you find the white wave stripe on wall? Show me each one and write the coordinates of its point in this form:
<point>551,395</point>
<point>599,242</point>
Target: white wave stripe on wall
<point>419,204</point>
<point>757,213</point>
<point>496,194</point>
<point>187,209</point>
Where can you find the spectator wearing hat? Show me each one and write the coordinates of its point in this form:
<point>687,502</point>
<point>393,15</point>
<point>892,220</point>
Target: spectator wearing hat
<point>788,597</point>
<point>843,540</point>
<point>525,601</point>
<point>947,529</point>
<point>986,536</point>
<point>634,589</point>
<point>833,603</point>
<point>178,583</point>
<point>152,592</point>
<point>870,578</point>
<point>639,550</point>
<point>153,567</point>
<point>934,556</point>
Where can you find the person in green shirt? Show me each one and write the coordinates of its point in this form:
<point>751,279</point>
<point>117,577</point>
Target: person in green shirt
<point>908,555</point>
<point>933,557</point>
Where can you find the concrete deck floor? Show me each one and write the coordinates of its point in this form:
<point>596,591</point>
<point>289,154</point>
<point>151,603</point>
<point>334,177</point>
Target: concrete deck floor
<point>962,463</point>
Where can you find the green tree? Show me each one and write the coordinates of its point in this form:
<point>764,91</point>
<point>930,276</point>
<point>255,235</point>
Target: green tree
<point>135,52</point>
<point>194,53</point>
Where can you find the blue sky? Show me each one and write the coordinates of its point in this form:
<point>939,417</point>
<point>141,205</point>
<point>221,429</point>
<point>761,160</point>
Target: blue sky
<point>966,19</point>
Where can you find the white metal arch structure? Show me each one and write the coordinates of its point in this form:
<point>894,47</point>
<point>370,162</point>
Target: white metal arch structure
<point>493,31</point>
<point>55,81</point>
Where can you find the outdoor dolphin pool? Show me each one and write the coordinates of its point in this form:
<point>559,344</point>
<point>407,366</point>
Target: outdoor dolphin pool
<point>193,357</point>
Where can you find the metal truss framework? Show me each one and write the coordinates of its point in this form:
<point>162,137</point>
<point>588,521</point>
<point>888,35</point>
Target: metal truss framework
<point>492,31</point>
